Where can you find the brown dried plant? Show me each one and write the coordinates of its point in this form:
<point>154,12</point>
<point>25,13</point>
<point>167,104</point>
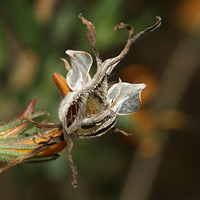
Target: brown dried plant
<point>87,103</point>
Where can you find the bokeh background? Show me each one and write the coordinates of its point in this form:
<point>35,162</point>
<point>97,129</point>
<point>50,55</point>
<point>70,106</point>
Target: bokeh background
<point>162,158</point>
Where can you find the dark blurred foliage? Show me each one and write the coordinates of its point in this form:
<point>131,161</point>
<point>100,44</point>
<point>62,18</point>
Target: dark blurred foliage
<point>162,158</point>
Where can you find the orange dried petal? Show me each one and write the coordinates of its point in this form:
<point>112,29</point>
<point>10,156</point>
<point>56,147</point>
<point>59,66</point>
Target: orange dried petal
<point>61,84</point>
<point>53,149</point>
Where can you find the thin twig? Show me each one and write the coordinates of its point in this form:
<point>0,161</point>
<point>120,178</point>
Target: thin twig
<point>91,38</point>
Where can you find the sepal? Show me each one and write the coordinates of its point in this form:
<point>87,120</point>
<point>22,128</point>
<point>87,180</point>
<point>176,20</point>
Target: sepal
<point>81,63</point>
<point>126,97</point>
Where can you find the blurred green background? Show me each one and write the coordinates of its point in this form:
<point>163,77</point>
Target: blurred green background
<point>162,158</point>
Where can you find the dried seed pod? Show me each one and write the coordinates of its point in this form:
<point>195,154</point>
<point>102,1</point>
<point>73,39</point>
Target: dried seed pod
<point>86,102</point>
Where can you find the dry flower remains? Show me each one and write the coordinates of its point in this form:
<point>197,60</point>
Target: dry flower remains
<point>87,103</point>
